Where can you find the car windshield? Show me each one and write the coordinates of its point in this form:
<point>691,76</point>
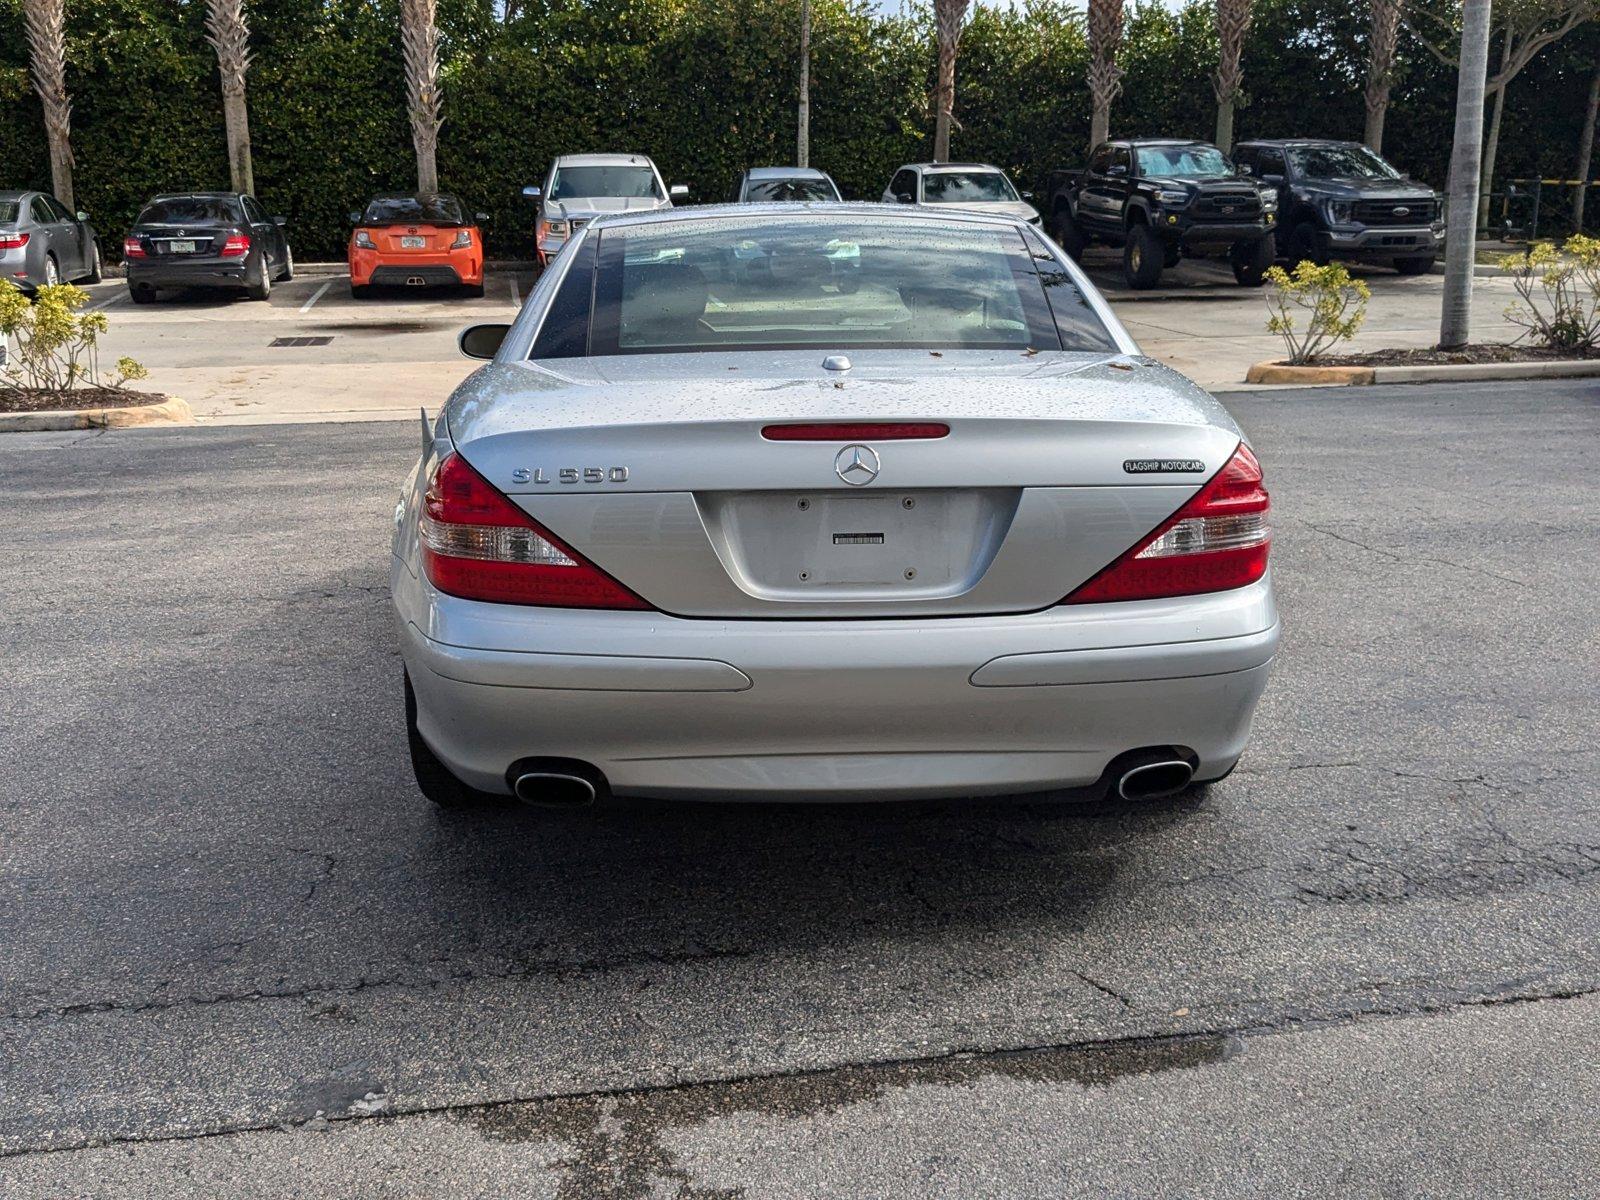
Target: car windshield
<point>790,189</point>
<point>578,183</point>
<point>8,210</point>
<point>720,284</point>
<point>1183,162</point>
<point>966,187</point>
<point>189,210</point>
<point>1340,162</point>
<point>413,210</point>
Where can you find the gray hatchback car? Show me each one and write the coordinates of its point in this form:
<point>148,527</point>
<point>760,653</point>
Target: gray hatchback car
<point>42,243</point>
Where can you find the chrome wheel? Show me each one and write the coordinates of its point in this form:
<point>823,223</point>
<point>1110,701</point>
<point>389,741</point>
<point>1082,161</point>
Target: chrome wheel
<point>52,274</point>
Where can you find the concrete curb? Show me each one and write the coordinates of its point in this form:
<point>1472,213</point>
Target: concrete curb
<point>1270,372</point>
<point>171,411</point>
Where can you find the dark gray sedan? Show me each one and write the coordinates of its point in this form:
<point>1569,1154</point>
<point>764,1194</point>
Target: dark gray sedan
<point>42,243</point>
<point>220,240</point>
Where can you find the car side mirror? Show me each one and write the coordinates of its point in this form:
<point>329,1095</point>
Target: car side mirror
<point>1272,179</point>
<point>82,216</point>
<point>280,222</point>
<point>905,198</point>
<point>678,191</point>
<point>530,193</point>
<point>480,217</point>
<point>1027,195</point>
<point>355,218</point>
<point>482,341</point>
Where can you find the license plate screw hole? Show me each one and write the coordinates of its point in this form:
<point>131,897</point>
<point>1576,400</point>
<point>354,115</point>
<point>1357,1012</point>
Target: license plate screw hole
<point>908,502</point>
<point>804,575</point>
<point>911,572</point>
<point>804,504</point>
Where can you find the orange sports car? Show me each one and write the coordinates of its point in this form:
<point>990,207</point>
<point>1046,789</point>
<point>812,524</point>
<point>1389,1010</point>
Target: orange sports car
<point>415,239</point>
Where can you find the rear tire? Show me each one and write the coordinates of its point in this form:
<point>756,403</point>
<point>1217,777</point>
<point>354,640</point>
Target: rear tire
<point>360,291</point>
<point>260,288</point>
<point>1143,258</point>
<point>52,271</point>
<point>1250,260</point>
<point>95,274</point>
<point>475,290</point>
<point>287,273</point>
<point>433,778</point>
<point>1416,265</point>
<point>141,293</point>
<point>1068,236</point>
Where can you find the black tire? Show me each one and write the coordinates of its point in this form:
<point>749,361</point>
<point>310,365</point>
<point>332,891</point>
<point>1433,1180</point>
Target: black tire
<point>1250,260</point>
<point>1068,236</point>
<point>360,291</point>
<point>1173,258</point>
<point>1301,245</point>
<point>1143,258</point>
<point>260,288</point>
<point>475,290</point>
<point>1417,265</point>
<point>433,778</point>
<point>95,274</point>
<point>285,275</point>
<point>141,293</point>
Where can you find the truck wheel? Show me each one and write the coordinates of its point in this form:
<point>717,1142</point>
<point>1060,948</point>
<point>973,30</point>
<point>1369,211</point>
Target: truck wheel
<point>1419,264</point>
<point>1067,234</point>
<point>1301,245</point>
<point>1251,259</point>
<point>1142,258</point>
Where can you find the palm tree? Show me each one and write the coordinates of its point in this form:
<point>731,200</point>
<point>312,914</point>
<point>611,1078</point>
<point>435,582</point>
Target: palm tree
<point>947,16</point>
<point>1233,21</point>
<point>1455,319</point>
<point>47,56</point>
<point>229,35</point>
<point>1383,38</point>
<point>1585,150</point>
<point>419,45</point>
<point>802,155</point>
<point>1105,77</point>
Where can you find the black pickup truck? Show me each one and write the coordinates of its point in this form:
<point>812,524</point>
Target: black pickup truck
<point>1340,200</point>
<point>1160,198</point>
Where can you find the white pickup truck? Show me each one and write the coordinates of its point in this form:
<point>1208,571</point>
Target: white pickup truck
<point>579,187</point>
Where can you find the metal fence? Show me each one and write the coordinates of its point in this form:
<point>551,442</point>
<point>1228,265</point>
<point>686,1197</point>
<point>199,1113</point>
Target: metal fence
<point>1517,212</point>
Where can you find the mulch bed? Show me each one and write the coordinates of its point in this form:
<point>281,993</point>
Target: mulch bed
<point>27,400</point>
<point>1486,352</point>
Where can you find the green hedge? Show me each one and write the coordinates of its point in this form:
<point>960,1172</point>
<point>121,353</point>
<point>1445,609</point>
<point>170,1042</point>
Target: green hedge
<point>704,86</point>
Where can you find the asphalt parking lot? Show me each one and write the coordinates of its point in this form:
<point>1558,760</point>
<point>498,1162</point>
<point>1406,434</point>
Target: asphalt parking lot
<point>242,362</point>
<point>244,956</point>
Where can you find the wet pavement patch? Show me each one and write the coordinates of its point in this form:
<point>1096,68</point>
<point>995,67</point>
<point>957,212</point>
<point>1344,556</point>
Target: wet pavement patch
<point>615,1141</point>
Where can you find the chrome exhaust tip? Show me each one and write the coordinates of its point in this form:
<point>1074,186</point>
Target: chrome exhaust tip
<point>1149,778</point>
<point>556,782</point>
<point>416,281</point>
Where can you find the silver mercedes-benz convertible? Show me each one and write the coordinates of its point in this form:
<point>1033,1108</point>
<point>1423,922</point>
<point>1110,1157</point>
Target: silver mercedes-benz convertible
<point>826,502</point>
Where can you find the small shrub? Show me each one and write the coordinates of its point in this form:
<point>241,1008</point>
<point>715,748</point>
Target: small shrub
<point>56,345</point>
<point>1558,294</point>
<point>1332,303</point>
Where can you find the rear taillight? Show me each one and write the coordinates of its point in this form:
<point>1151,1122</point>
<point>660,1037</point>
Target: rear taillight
<point>236,245</point>
<point>132,248</point>
<point>478,545</point>
<point>13,241</point>
<point>1218,540</point>
<point>845,431</point>
<point>463,240</point>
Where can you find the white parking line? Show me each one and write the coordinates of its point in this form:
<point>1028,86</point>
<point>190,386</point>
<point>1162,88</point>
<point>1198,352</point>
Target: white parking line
<point>116,297</point>
<point>516,296</point>
<point>315,296</point>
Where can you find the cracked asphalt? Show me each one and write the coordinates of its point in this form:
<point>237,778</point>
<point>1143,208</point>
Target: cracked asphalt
<point>240,955</point>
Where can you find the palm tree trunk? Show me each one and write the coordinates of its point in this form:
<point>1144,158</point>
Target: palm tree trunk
<point>802,155</point>
<point>1382,40</point>
<point>419,44</point>
<point>47,58</point>
<point>1585,151</point>
<point>229,34</point>
<point>1105,77</point>
<point>1455,318</point>
<point>1491,149</point>
<point>948,15</point>
<point>1233,22</point>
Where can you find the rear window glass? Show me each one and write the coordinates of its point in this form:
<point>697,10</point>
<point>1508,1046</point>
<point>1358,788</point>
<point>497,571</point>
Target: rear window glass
<point>762,190</point>
<point>189,210</point>
<point>413,210</point>
<point>966,187</point>
<point>729,284</point>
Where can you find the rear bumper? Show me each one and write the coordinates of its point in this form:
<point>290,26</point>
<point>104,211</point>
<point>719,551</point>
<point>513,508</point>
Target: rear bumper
<point>434,269</point>
<point>832,709</point>
<point>223,273</point>
<point>413,276</point>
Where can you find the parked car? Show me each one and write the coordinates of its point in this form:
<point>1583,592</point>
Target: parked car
<point>416,239</point>
<point>947,535</point>
<point>764,185</point>
<point>978,187</point>
<point>41,243</point>
<point>206,240</point>
<point>579,187</point>
<point>1159,199</point>
<point>1341,200</point>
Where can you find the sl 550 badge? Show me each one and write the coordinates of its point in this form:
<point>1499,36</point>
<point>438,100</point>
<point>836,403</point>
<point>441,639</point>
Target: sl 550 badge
<point>1159,466</point>
<point>571,475</point>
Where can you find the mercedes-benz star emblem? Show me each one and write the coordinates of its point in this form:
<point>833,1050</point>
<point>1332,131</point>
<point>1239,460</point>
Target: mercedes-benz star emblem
<point>857,465</point>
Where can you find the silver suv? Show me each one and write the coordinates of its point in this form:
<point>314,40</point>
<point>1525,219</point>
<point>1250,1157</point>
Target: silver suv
<point>579,187</point>
<point>980,187</point>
